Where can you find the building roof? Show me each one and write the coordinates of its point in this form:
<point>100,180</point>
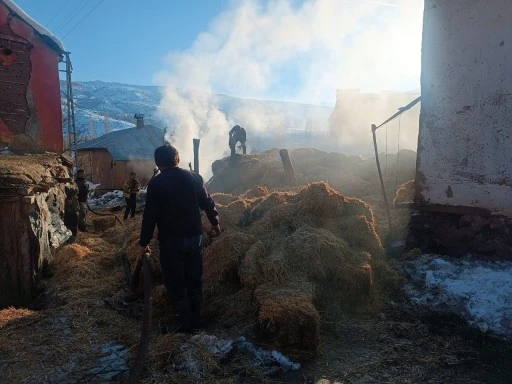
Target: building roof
<point>129,144</point>
<point>34,24</point>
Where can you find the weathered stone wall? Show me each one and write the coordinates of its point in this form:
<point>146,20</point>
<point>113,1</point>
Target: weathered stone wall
<point>31,228</point>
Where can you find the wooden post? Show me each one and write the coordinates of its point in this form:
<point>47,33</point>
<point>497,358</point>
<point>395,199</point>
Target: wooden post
<point>196,155</point>
<point>289,172</point>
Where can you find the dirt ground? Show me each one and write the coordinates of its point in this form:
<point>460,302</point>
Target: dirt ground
<point>74,333</point>
<point>72,336</point>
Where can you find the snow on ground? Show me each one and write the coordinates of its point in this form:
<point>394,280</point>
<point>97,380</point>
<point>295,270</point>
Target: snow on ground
<point>478,291</point>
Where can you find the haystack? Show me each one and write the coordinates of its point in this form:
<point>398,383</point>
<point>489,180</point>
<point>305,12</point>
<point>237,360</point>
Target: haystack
<point>284,261</point>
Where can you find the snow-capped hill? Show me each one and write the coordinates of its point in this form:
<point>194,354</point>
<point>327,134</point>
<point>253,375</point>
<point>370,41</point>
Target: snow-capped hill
<point>102,106</point>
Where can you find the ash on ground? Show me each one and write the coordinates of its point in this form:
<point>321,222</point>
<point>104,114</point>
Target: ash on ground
<point>267,362</point>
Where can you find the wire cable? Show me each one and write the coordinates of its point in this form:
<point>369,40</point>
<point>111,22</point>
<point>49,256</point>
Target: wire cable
<point>71,16</point>
<point>58,12</point>
<point>83,18</point>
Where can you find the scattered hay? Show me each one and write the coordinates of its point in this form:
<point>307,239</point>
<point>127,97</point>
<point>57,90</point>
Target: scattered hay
<point>258,191</point>
<point>101,224</point>
<point>234,214</point>
<point>223,198</point>
<point>288,317</point>
<point>10,314</point>
<point>270,201</point>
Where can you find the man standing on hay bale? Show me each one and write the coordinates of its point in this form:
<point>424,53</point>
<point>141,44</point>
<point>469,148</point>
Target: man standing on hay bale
<point>131,189</point>
<point>173,202</point>
<point>237,134</point>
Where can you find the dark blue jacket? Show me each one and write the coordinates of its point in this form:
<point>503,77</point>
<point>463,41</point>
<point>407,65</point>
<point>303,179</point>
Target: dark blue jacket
<point>173,202</point>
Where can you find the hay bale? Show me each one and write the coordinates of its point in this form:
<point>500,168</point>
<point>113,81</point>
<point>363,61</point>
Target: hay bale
<point>255,192</point>
<point>288,318</point>
<point>250,272</point>
<point>102,223</point>
<point>316,252</point>
<point>342,276</point>
<point>223,257</point>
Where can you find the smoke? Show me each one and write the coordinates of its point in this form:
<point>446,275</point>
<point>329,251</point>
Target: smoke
<point>290,50</point>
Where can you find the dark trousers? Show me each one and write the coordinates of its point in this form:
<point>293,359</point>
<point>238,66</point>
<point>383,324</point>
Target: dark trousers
<point>131,203</point>
<point>71,222</point>
<point>181,261</point>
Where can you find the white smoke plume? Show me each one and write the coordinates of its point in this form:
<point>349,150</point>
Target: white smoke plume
<point>247,50</point>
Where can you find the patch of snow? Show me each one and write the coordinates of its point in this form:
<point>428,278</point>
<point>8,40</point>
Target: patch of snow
<point>34,24</point>
<point>267,360</point>
<point>108,200</point>
<point>478,291</point>
<point>5,151</point>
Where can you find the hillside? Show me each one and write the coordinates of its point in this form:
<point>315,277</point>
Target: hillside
<point>99,103</point>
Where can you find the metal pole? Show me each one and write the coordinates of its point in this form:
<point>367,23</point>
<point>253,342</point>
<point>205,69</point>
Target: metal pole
<point>70,146</point>
<point>72,105</point>
<point>374,128</point>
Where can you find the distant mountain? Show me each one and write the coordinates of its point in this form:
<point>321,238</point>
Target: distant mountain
<point>102,106</point>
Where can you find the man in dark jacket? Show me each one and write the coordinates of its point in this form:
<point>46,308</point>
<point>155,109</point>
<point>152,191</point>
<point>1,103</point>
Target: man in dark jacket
<point>131,189</point>
<point>83,192</point>
<point>237,134</point>
<point>173,202</point>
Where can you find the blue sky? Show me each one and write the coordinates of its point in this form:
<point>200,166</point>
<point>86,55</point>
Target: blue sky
<point>123,40</point>
<point>301,53</point>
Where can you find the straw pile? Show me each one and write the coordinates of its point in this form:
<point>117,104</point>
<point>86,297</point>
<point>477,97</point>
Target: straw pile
<point>285,261</point>
<point>277,243</point>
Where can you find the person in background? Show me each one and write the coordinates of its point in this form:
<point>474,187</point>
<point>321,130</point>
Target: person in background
<point>83,192</point>
<point>174,199</point>
<point>71,209</point>
<point>131,188</point>
<point>237,134</point>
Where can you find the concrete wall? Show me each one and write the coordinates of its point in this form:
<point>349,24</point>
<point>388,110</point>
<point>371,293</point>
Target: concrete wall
<point>30,102</point>
<point>465,139</point>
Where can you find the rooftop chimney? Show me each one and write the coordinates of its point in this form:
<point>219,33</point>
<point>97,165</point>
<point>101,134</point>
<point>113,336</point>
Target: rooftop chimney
<point>140,120</point>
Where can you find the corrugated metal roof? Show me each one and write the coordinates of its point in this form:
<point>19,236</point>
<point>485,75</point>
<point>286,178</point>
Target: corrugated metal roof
<point>129,144</point>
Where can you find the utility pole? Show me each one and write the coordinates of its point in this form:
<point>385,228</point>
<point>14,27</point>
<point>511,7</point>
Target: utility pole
<point>71,127</point>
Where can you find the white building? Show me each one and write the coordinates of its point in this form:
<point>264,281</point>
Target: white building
<point>465,139</point>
